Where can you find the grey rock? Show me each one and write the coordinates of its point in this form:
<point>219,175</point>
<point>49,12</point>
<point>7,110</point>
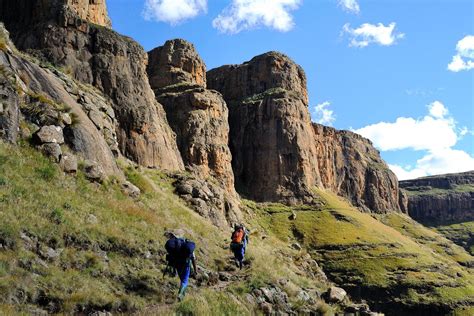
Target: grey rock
<point>68,163</point>
<point>336,294</point>
<point>66,118</point>
<point>130,189</point>
<point>49,134</point>
<point>296,246</point>
<point>52,150</point>
<point>93,171</point>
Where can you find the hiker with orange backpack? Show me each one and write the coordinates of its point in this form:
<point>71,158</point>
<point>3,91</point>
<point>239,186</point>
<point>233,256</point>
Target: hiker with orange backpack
<point>238,245</point>
<point>180,256</point>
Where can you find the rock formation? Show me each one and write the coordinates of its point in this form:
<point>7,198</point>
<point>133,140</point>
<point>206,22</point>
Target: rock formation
<point>199,117</point>
<point>441,199</point>
<point>35,99</point>
<point>56,31</point>
<point>271,139</point>
<point>350,166</point>
<point>279,155</point>
<point>94,11</point>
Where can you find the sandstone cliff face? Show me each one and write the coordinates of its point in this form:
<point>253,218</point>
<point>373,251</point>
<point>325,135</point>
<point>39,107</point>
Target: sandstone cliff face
<point>271,138</point>
<point>350,166</point>
<point>111,62</point>
<point>441,199</point>
<point>94,11</point>
<point>199,117</point>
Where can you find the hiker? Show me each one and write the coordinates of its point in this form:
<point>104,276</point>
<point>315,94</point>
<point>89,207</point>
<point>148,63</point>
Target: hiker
<point>179,258</point>
<point>240,239</point>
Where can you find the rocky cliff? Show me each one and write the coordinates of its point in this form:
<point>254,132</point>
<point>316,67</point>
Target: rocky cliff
<point>271,138</point>
<point>199,117</point>
<point>441,199</point>
<point>350,166</point>
<point>279,155</point>
<point>56,31</point>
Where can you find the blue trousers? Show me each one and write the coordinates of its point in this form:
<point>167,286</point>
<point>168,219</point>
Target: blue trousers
<point>239,252</point>
<point>184,272</point>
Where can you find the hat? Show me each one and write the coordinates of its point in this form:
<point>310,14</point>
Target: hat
<point>174,233</point>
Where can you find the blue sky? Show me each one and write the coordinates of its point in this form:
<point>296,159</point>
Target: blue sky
<point>377,67</point>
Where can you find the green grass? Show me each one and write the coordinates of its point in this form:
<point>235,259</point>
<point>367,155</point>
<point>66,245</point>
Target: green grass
<point>460,233</point>
<point>102,237</point>
<point>362,253</point>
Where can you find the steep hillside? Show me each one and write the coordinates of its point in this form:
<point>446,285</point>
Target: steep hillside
<point>79,247</point>
<point>399,267</point>
<point>445,202</point>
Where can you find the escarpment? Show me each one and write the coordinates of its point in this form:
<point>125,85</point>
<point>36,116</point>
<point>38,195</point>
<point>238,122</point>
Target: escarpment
<point>441,199</point>
<point>279,155</point>
<point>350,166</point>
<point>199,117</point>
<point>271,140</point>
<point>63,34</point>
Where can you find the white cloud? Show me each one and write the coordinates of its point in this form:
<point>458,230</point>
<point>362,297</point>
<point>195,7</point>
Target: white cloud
<point>441,161</point>
<point>464,59</point>
<point>436,134</point>
<point>437,110</point>
<point>322,114</point>
<point>435,130</point>
<point>173,11</point>
<point>372,34</point>
<point>350,5</point>
<point>247,14</point>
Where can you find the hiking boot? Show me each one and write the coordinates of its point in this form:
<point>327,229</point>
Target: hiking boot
<point>181,293</point>
<point>241,264</point>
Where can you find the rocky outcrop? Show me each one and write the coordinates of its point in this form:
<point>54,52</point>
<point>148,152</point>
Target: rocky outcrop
<point>350,166</point>
<point>36,102</point>
<point>271,138</point>
<point>98,56</point>
<point>94,11</point>
<point>199,117</point>
<point>175,63</point>
<point>279,155</point>
<point>441,199</point>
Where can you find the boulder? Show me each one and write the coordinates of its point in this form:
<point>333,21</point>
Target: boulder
<point>49,134</point>
<point>68,163</point>
<point>130,189</point>
<point>93,171</point>
<point>336,294</point>
<point>52,150</point>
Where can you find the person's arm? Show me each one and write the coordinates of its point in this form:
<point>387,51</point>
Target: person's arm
<point>193,260</point>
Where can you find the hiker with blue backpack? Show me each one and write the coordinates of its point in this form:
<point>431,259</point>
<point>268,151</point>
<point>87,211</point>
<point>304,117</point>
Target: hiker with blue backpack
<point>180,256</point>
<point>238,245</point>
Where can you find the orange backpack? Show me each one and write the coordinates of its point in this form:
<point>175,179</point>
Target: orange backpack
<point>238,236</point>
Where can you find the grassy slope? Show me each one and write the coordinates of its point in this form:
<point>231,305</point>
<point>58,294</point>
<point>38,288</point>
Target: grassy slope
<point>375,260</point>
<point>81,219</point>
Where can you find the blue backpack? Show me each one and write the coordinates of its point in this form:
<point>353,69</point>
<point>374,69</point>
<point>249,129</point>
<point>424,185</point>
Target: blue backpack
<point>179,250</point>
